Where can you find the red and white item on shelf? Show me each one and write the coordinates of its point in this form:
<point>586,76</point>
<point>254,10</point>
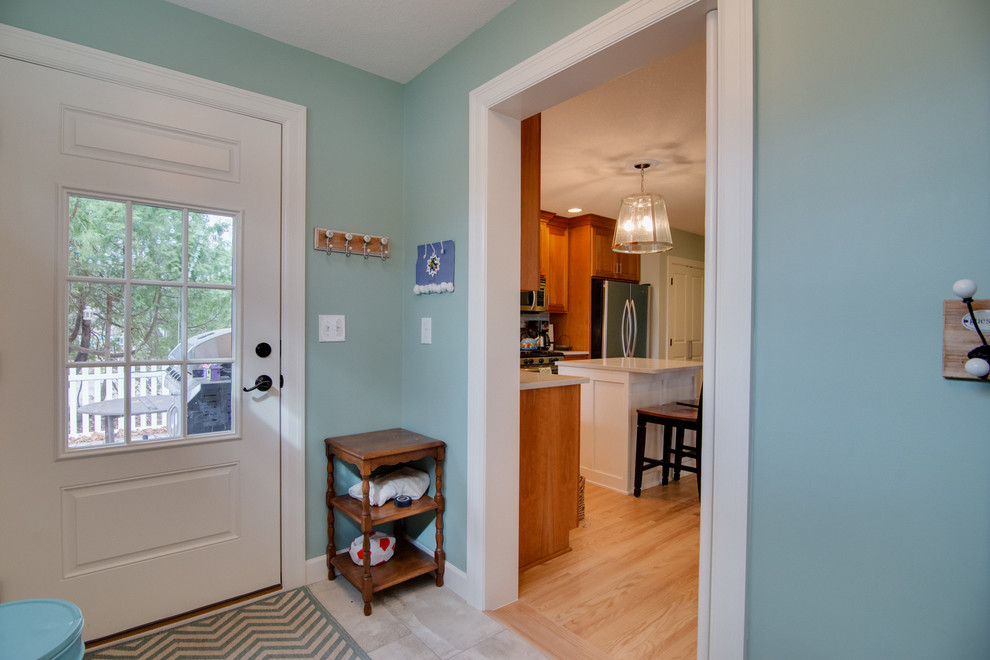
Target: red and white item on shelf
<point>382,548</point>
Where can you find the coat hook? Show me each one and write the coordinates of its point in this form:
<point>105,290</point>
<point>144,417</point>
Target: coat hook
<point>366,239</point>
<point>347,243</point>
<point>329,238</point>
<point>384,248</point>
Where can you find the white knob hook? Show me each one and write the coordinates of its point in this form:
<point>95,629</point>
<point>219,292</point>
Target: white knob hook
<point>366,239</point>
<point>964,289</point>
<point>384,248</point>
<point>347,243</point>
<point>977,367</point>
<point>329,238</point>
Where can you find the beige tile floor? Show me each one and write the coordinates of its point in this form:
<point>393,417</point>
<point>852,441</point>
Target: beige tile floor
<point>418,621</point>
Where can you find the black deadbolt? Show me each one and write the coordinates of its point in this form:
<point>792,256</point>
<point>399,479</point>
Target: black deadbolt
<point>263,349</point>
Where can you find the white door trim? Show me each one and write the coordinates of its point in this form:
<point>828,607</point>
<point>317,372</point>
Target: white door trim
<point>66,56</point>
<point>681,261</point>
<point>495,109</point>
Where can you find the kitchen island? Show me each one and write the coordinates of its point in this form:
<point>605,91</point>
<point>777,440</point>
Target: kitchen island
<point>549,420</point>
<point>616,387</point>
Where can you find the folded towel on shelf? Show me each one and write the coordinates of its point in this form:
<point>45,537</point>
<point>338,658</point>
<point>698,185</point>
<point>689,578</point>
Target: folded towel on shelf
<point>404,481</point>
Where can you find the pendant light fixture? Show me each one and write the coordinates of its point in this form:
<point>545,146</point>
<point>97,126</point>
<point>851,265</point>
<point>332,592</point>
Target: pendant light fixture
<point>642,226</point>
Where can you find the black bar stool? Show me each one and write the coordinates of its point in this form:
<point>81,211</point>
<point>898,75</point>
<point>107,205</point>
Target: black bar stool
<point>679,417</point>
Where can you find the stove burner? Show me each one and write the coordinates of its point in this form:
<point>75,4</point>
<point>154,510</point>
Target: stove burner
<point>539,358</point>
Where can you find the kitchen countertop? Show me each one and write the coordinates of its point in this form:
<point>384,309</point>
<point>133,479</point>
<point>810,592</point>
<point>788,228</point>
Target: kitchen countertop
<point>533,380</point>
<point>631,365</point>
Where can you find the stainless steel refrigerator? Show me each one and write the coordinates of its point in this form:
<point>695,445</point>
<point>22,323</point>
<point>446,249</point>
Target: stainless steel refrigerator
<point>620,319</point>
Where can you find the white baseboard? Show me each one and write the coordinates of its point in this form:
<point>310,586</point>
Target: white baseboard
<point>316,569</point>
<point>651,478</point>
<point>453,578</point>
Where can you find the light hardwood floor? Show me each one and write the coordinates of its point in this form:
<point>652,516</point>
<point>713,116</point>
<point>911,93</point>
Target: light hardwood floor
<point>629,588</point>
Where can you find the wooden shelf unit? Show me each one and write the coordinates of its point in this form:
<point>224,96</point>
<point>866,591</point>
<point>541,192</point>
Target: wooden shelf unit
<point>368,451</point>
<point>407,562</point>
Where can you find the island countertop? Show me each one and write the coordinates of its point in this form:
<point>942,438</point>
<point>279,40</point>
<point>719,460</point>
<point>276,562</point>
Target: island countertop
<point>533,380</point>
<point>632,365</point>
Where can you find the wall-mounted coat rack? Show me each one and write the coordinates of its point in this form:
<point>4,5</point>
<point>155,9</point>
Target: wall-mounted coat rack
<point>348,243</point>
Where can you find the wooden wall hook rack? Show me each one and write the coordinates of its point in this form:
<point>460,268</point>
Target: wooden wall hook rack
<point>958,339</point>
<point>351,243</point>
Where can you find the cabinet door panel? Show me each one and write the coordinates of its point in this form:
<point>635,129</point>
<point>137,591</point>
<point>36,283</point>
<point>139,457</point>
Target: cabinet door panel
<point>557,280</point>
<point>603,263</point>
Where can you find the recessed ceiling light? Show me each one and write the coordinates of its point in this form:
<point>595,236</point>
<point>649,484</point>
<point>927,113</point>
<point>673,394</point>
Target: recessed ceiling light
<point>574,210</point>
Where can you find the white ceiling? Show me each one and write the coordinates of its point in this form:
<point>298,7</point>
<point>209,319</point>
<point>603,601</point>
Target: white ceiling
<point>589,142</point>
<point>395,39</point>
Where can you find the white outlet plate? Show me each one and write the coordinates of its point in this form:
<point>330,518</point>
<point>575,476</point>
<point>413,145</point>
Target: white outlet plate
<point>332,327</point>
<point>426,330</point>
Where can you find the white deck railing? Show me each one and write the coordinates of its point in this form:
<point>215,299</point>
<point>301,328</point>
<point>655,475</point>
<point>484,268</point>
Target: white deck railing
<point>94,384</point>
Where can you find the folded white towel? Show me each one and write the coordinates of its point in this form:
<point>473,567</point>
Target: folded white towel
<point>404,481</point>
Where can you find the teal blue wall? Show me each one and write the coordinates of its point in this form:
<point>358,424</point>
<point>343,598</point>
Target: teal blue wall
<point>686,245</point>
<point>870,527</point>
<point>354,182</point>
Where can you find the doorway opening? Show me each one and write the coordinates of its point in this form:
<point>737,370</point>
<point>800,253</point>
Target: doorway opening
<point>629,585</point>
<point>630,36</point>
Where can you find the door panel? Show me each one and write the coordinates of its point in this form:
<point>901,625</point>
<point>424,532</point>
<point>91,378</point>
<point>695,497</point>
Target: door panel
<point>685,312</point>
<point>138,528</point>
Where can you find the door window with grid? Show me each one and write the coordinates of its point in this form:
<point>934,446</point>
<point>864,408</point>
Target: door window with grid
<point>149,322</point>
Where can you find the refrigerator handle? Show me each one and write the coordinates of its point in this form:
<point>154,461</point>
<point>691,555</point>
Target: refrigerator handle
<point>627,311</point>
<point>622,329</point>
<point>635,327</point>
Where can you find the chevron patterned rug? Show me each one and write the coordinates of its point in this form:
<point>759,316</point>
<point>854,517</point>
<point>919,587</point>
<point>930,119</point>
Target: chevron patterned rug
<point>291,624</point>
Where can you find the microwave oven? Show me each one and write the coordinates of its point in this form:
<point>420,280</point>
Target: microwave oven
<point>534,301</point>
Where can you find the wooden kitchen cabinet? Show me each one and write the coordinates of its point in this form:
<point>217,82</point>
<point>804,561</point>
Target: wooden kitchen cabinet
<point>589,241</point>
<point>545,242</point>
<point>368,451</point>
<point>549,456</point>
<point>529,213</point>
<point>557,265</point>
<point>606,263</point>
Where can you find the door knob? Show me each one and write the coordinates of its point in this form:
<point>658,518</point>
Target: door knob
<point>262,383</point>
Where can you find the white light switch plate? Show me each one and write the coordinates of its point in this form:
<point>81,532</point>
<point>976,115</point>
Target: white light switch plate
<point>331,327</point>
<point>426,330</point>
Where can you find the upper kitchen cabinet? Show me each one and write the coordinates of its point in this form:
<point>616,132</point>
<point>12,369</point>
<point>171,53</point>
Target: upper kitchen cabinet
<point>589,254</point>
<point>604,262</point>
<point>529,274</point>
<point>553,261</point>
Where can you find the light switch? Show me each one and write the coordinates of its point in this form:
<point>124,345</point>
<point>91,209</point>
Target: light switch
<point>426,330</point>
<point>331,327</point>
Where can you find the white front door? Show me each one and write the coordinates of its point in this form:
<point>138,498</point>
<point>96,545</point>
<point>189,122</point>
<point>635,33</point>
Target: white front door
<point>139,274</point>
<point>685,310</point>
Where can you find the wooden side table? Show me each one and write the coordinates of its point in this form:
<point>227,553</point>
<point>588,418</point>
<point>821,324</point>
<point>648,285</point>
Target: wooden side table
<point>368,451</point>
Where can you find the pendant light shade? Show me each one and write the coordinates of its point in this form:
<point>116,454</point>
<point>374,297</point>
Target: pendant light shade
<point>642,226</point>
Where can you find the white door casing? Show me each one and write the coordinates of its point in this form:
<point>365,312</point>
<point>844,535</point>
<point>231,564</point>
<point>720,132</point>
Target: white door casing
<point>205,467</point>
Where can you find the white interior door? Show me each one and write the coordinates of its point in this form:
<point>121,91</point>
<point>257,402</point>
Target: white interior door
<point>139,272</point>
<point>685,310</point>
